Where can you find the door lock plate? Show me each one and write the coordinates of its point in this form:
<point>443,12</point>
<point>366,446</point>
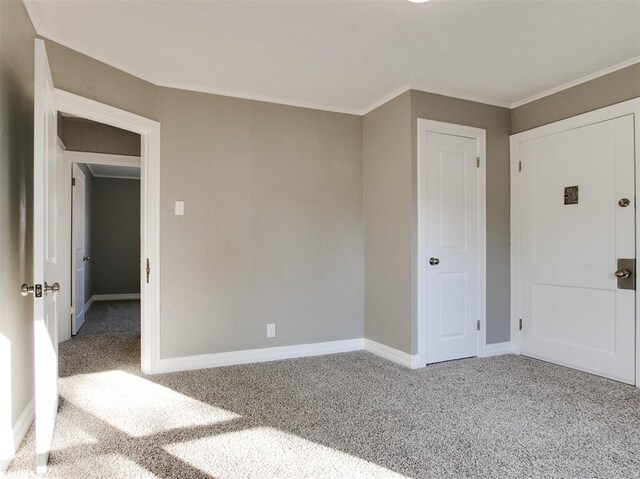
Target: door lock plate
<point>626,281</point>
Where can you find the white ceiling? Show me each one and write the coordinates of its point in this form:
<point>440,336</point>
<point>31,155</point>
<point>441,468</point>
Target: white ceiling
<point>350,55</point>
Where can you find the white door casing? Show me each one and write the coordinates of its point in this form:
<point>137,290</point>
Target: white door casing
<point>47,268</point>
<point>451,267</point>
<point>572,311</point>
<point>149,162</point>
<point>79,248</point>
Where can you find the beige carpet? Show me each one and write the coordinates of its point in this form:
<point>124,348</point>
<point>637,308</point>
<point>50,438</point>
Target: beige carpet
<point>340,416</point>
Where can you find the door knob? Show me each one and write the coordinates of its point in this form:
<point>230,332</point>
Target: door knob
<point>434,261</point>
<point>26,290</point>
<point>86,258</point>
<point>623,273</point>
<point>54,288</point>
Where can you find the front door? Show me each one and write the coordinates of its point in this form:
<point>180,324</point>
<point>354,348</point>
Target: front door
<point>577,202</point>
<point>452,205</point>
<point>46,258</point>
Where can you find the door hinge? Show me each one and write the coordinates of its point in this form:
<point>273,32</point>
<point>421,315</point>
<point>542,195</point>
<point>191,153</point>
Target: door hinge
<point>72,310</point>
<point>148,270</point>
<point>73,182</point>
<point>478,325</point>
<point>520,324</point>
<point>520,166</point>
<point>477,162</point>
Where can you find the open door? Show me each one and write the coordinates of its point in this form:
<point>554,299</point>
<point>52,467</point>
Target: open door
<point>79,256</point>
<point>46,257</point>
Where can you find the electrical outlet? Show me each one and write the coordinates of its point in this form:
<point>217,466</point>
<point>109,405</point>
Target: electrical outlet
<point>271,330</point>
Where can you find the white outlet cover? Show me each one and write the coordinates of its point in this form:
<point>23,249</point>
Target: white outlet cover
<point>179,208</point>
<point>271,330</point>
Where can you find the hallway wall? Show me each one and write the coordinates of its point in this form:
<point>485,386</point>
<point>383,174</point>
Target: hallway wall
<point>115,236</point>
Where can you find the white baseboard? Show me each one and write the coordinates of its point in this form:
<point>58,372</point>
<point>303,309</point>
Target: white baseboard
<point>204,361</point>
<point>405,359</point>
<point>498,349</point>
<point>18,431</point>
<point>113,297</point>
<point>246,356</point>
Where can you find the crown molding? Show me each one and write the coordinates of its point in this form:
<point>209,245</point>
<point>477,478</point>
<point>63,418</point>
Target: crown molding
<point>584,79</point>
<point>42,31</point>
<point>385,99</point>
<point>423,87</point>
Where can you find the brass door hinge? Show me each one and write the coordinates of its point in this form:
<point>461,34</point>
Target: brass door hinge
<point>73,182</point>
<point>477,162</point>
<point>520,324</point>
<point>148,270</point>
<point>520,166</point>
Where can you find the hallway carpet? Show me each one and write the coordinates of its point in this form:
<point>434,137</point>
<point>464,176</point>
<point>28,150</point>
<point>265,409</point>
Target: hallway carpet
<point>348,415</point>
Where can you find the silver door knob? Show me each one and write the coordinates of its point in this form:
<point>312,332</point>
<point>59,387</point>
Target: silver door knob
<point>86,258</point>
<point>54,288</point>
<point>26,290</point>
<point>434,261</point>
<point>623,273</point>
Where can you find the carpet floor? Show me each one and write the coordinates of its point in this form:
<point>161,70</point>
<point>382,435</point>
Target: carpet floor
<point>348,415</point>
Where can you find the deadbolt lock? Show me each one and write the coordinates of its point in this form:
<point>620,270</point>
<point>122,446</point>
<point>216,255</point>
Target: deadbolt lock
<point>626,273</point>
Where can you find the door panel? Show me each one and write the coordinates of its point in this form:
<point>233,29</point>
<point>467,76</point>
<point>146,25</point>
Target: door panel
<point>573,312</point>
<point>47,269</point>
<point>452,188</point>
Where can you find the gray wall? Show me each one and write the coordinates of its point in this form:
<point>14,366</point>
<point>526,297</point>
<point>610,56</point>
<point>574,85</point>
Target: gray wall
<point>16,160</point>
<point>272,230</point>
<point>390,200</point>
<point>79,134</point>
<point>114,209</point>
<point>387,177</point>
<point>273,226</point>
<point>606,90</point>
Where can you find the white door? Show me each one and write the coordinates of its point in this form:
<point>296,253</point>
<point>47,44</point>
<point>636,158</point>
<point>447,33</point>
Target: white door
<point>572,310</point>
<point>79,254</point>
<point>452,246</point>
<point>46,265</point>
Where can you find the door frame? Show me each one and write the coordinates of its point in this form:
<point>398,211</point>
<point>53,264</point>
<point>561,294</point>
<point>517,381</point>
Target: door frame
<point>149,131</point>
<point>629,107</point>
<point>86,158</point>
<point>478,134</point>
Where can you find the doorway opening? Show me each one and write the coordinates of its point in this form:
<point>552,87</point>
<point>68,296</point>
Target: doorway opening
<point>105,224</point>
<point>138,175</point>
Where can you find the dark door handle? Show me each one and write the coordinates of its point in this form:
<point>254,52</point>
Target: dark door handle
<point>434,261</point>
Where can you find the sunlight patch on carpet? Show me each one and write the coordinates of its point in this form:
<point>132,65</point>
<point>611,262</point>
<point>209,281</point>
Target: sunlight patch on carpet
<point>137,406</point>
<point>266,452</point>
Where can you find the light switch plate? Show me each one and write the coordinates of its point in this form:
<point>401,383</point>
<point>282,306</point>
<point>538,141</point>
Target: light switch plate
<point>179,208</point>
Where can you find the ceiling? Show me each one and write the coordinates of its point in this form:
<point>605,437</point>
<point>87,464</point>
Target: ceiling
<point>350,56</point>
